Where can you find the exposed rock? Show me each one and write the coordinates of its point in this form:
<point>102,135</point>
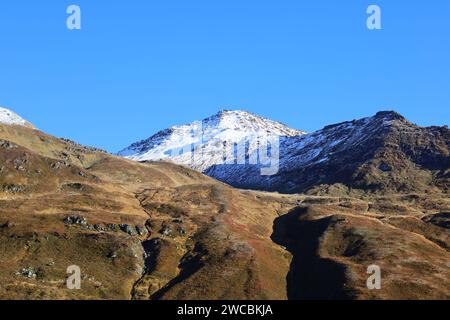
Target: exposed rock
<point>149,225</point>
<point>112,227</point>
<point>439,219</point>
<point>141,230</point>
<point>127,229</point>
<point>75,220</point>
<point>59,164</point>
<point>28,272</point>
<point>166,231</point>
<point>100,228</point>
<point>6,225</point>
<point>112,255</point>
<point>12,188</point>
<point>182,231</point>
<point>7,145</point>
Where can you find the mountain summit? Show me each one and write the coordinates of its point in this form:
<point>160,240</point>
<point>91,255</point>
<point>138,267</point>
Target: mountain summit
<point>11,118</point>
<point>208,137</point>
<point>383,152</point>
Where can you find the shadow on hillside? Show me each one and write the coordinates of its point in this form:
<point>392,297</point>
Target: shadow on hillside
<point>310,277</point>
<point>244,176</point>
<point>189,264</point>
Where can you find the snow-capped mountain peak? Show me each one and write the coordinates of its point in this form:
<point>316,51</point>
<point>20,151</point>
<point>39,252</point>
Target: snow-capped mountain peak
<point>208,138</point>
<point>11,118</point>
<point>240,120</point>
<point>233,147</point>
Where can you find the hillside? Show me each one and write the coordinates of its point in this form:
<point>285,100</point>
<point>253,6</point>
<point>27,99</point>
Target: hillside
<point>129,226</point>
<point>156,230</point>
<point>384,153</point>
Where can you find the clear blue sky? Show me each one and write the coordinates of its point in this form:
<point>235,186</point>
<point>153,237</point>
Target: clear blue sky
<point>139,66</point>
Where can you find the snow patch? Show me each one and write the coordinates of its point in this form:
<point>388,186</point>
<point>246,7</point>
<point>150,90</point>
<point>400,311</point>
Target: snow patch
<point>11,118</point>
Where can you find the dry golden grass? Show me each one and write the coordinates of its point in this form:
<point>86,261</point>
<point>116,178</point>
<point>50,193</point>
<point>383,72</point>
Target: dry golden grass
<point>206,240</point>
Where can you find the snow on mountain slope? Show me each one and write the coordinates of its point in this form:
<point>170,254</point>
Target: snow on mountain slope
<point>203,144</point>
<point>382,152</point>
<point>11,118</point>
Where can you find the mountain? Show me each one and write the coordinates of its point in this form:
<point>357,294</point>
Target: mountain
<point>11,118</point>
<point>207,137</point>
<point>136,230</point>
<point>382,153</point>
<point>157,230</point>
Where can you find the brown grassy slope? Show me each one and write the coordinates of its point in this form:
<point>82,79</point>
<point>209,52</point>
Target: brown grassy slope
<point>227,254</point>
<point>207,240</point>
<point>49,146</point>
<point>55,180</point>
<point>334,239</point>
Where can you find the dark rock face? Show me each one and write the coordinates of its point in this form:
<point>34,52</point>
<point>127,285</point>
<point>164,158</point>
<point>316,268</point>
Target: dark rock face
<point>381,153</point>
<point>127,229</point>
<point>439,219</point>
